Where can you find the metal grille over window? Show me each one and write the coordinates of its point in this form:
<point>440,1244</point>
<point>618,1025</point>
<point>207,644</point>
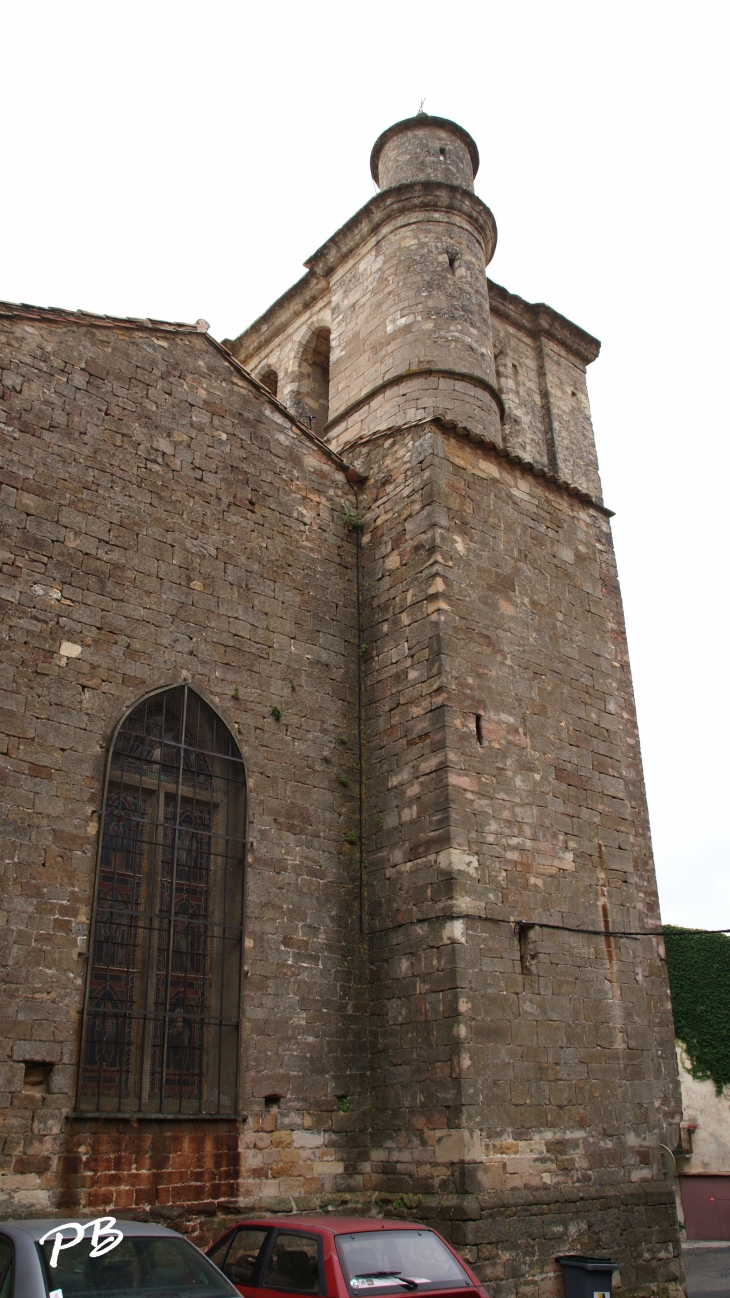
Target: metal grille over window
<point>161,1026</point>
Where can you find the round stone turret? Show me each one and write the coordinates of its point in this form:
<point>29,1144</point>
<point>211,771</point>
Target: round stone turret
<point>411,330</point>
<point>424,148</point>
<point>392,325</point>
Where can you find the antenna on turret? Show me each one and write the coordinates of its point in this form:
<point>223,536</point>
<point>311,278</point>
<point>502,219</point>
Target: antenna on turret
<point>420,109</point>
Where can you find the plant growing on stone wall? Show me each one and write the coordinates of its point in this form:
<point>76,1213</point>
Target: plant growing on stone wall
<point>352,518</point>
<point>698,965</point>
<point>351,838</point>
<point>344,781</point>
<point>276,713</point>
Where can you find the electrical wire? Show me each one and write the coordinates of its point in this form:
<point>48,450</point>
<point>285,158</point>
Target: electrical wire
<point>609,932</point>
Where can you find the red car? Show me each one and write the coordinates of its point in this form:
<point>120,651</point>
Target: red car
<point>341,1257</point>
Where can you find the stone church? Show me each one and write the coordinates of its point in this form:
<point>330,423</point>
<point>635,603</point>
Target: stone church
<point>324,803</point>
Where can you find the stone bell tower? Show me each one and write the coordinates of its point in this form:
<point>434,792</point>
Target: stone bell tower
<point>520,1058</point>
<point>411,330</point>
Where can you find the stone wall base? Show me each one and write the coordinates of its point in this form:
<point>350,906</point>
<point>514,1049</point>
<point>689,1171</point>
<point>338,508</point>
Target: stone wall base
<point>510,1239</point>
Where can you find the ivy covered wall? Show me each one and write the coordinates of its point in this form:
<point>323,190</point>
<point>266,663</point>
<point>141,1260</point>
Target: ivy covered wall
<point>699,978</point>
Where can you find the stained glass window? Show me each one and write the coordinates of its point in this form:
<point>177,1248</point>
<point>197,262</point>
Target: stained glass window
<point>161,1026</point>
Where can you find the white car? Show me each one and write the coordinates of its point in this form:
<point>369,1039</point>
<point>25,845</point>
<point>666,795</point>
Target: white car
<point>103,1258</point>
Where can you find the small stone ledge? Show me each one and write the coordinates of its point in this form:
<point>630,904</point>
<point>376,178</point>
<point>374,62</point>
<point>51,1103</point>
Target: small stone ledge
<point>449,427</point>
<point>648,1193</point>
<point>424,372</point>
<point>138,1119</point>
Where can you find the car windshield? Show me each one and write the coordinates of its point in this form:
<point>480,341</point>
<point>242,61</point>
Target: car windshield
<point>155,1266</point>
<point>398,1259</point>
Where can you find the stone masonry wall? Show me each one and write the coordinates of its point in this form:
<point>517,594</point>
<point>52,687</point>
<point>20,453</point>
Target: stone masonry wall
<point>427,642</point>
<point>438,317</point>
<point>541,363</point>
<point>509,1072</point>
<point>163,520</point>
<point>429,149</point>
<point>284,354</point>
<point>540,374</point>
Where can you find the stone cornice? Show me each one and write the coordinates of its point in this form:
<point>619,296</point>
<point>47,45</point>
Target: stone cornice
<point>420,372</point>
<point>542,321</point>
<point>450,427</point>
<point>425,196</point>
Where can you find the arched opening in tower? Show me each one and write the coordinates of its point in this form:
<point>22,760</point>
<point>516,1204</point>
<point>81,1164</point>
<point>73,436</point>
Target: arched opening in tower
<point>270,380</point>
<point>313,386</point>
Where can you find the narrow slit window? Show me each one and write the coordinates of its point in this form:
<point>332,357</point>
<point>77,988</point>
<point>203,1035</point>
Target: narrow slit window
<point>161,1024</point>
<point>526,938</point>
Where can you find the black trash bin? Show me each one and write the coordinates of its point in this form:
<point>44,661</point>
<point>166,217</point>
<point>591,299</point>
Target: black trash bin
<point>587,1277</point>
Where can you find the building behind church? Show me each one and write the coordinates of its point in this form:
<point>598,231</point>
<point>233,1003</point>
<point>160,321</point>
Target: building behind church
<point>324,791</point>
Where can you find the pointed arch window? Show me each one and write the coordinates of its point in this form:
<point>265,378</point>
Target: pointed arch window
<point>161,1022</point>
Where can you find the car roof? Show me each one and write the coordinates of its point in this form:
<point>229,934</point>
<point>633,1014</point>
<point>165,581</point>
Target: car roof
<point>36,1227</point>
<point>329,1222</point>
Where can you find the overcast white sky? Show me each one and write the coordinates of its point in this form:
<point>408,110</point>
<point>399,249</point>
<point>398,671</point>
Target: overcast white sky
<point>182,159</point>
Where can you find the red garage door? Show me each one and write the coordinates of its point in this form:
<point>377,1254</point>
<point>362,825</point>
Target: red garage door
<point>706,1203</point>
